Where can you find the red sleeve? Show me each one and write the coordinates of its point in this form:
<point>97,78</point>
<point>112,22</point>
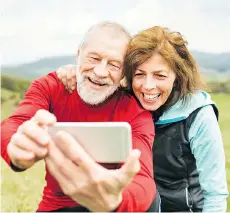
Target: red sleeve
<point>140,193</point>
<point>37,97</point>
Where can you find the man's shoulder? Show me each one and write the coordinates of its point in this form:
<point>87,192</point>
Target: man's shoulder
<point>50,81</point>
<point>49,78</point>
<point>50,87</point>
<point>128,100</point>
<point>128,105</point>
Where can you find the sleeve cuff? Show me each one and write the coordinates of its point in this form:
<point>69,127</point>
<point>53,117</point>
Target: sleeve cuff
<point>15,168</point>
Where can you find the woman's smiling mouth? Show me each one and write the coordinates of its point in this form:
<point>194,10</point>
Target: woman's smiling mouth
<point>150,98</point>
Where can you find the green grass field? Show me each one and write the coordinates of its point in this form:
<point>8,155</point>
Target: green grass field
<point>21,192</point>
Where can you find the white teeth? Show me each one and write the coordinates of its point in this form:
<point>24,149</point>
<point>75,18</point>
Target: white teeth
<point>150,97</point>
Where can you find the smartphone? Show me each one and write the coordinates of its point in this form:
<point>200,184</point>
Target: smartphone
<point>105,142</point>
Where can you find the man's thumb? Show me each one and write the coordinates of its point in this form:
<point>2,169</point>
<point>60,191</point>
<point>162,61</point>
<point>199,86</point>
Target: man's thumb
<point>131,167</point>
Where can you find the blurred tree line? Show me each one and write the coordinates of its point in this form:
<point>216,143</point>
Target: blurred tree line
<point>16,86</point>
<point>219,87</point>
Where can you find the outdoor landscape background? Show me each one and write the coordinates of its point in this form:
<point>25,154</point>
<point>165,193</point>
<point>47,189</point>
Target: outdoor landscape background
<point>37,37</point>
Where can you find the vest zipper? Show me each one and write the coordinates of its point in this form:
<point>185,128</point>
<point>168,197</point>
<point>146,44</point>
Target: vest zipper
<point>189,204</point>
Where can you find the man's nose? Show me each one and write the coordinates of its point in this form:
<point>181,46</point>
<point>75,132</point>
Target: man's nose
<point>101,69</point>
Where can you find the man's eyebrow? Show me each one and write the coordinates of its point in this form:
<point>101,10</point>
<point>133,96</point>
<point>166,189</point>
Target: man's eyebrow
<point>116,61</point>
<point>93,53</point>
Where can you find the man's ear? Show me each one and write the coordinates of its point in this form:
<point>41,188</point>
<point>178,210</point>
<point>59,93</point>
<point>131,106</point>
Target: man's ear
<point>123,82</point>
<point>77,56</point>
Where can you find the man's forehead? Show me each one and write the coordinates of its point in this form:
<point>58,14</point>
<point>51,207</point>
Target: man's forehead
<point>108,31</point>
<point>110,35</point>
<point>107,46</point>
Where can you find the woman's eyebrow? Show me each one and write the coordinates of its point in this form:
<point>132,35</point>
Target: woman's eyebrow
<point>160,68</point>
<point>154,70</point>
<point>140,70</point>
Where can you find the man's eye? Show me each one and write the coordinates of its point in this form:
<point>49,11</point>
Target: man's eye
<point>113,67</point>
<point>95,58</point>
<point>116,66</point>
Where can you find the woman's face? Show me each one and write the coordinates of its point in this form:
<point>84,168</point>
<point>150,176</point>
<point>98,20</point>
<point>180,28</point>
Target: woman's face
<point>153,82</point>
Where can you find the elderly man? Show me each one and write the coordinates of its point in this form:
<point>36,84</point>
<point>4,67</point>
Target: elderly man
<point>74,181</point>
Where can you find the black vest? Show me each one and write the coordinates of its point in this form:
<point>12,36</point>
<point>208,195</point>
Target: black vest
<point>175,171</point>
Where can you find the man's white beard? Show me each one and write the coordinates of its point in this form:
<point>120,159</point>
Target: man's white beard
<point>94,97</point>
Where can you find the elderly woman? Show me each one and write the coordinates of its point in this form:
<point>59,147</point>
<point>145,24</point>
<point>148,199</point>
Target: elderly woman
<point>188,154</point>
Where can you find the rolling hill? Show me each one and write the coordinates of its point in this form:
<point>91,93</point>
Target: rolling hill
<point>214,66</point>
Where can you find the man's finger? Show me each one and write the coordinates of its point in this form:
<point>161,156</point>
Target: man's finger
<point>132,164</point>
<point>55,171</point>
<point>18,154</point>
<point>28,145</point>
<point>73,83</point>
<point>130,168</point>
<point>74,151</point>
<point>62,168</point>
<point>73,71</point>
<point>35,133</point>
<point>43,117</point>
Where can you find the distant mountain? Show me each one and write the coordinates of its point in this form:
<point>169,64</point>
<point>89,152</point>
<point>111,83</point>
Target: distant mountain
<point>37,68</point>
<point>214,66</point>
<point>215,61</point>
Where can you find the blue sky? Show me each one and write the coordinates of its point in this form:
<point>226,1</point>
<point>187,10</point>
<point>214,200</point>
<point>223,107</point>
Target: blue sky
<point>33,29</point>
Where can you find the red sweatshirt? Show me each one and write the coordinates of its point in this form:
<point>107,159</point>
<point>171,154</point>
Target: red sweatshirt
<point>48,93</point>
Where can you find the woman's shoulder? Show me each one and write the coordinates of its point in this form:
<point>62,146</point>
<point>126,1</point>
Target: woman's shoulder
<point>183,108</point>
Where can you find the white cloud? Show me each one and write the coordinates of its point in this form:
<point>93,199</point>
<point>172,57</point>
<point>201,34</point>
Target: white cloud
<point>198,21</point>
<point>37,31</point>
<point>31,29</point>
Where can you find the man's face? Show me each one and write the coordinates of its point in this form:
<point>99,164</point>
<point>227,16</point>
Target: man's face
<point>100,66</point>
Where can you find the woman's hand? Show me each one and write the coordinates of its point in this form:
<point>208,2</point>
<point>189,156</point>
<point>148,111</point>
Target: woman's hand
<point>67,75</point>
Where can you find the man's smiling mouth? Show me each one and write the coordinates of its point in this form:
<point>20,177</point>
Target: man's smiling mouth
<point>96,82</point>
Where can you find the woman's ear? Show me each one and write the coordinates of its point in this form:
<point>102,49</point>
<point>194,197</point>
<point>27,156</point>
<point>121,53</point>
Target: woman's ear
<point>175,84</point>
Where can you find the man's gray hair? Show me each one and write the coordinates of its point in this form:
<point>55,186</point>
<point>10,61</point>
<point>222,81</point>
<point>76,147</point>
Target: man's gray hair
<point>111,27</point>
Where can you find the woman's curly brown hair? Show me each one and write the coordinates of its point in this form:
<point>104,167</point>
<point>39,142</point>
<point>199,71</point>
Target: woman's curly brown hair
<point>173,48</point>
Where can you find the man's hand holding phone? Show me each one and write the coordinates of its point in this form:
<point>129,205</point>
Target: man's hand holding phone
<point>79,176</point>
<point>84,180</point>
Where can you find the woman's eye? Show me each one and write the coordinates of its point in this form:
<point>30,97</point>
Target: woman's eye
<point>161,76</point>
<point>138,74</point>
